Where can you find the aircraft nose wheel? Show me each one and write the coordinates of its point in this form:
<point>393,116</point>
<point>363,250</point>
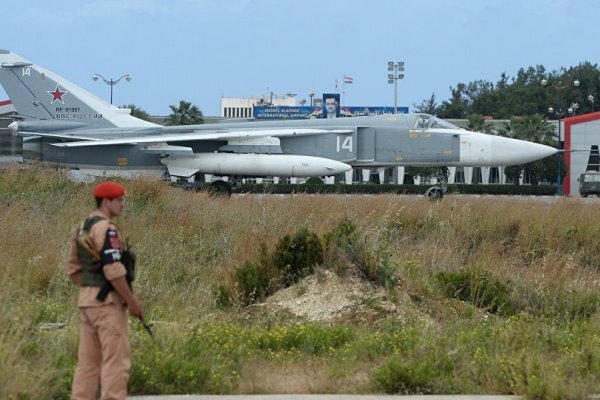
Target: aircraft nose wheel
<point>437,192</point>
<point>434,193</point>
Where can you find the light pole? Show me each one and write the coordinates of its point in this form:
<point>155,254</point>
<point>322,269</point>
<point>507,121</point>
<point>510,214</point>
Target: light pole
<point>574,107</point>
<point>111,82</point>
<point>311,95</point>
<point>559,113</point>
<point>397,72</point>
<point>592,99</point>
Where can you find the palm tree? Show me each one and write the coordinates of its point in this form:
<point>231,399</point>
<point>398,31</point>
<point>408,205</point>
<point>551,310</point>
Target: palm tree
<point>184,114</point>
<point>476,123</point>
<point>137,112</point>
<point>533,128</point>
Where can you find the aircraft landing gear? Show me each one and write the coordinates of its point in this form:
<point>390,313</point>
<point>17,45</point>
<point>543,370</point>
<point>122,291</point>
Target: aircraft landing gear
<point>219,189</point>
<point>436,192</point>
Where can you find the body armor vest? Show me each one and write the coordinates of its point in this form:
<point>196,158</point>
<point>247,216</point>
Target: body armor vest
<point>89,257</point>
<point>91,260</point>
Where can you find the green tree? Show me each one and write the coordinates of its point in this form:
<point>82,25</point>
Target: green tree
<point>513,173</point>
<point>537,129</point>
<point>534,128</point>
<point>588,76</point>
<point>184,114</point>
<point>523,94</point>
<point>427,106</point>
<point>476,123</point>
<point>482,97</point>
<point>546,170</point>
<point>457,106</point>
<point>137,112</point>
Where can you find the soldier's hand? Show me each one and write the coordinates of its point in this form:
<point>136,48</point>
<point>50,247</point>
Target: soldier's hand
<point>135,308</point>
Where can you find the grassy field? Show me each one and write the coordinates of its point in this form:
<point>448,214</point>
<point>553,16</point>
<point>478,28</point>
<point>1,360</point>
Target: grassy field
<point>491,295</point>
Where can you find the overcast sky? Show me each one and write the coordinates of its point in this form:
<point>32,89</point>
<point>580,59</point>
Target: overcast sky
<point>200,50</point>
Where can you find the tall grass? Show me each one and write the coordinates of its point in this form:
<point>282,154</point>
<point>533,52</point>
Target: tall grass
<point>516,309</point>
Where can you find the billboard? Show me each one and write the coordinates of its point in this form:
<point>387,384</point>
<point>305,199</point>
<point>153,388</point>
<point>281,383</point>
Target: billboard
<point>288,112</point>
<point>331,105</point>
<point>363,111</point>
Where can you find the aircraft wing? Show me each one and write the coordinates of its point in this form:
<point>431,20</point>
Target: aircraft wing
<point>206,135</point>
<point>66,136</point>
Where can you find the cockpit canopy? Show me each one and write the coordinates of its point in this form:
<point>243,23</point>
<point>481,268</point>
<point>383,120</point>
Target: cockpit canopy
<point>426,121</point>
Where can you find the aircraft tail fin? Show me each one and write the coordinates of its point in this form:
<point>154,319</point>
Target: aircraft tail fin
<point>41,94</point>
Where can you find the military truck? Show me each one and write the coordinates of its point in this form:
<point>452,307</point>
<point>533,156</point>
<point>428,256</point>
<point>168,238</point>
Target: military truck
<point>589,183</point>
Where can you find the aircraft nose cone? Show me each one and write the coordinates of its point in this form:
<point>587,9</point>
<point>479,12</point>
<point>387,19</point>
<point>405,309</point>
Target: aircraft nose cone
<point>506,151</point>
<point>337,167</point>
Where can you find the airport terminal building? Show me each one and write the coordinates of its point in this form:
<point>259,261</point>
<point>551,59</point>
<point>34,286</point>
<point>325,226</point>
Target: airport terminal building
<point>243,107</point>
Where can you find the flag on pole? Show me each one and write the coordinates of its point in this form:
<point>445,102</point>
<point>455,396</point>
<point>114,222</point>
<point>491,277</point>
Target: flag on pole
<point>336,83</point>
<point>347,79</point>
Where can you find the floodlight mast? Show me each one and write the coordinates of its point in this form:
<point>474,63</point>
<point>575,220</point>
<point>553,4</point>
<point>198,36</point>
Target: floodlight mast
<point>397,73</point>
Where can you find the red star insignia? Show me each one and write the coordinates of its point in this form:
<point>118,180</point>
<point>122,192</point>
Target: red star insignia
<point>57,94</point>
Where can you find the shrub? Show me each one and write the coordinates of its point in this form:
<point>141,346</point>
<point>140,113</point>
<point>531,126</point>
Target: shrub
<point>296,256</point>
<point>169,368</point>
<point>343,234</point>
<point>143,193</point>
<point>253,281</point>
<point>405,378</point>
<point>526,190</point>
<point>338,246</point>
<point>314,180</point>
<point>370,188</point>
<point>223,297</point>
<point>310,339</point>
<point>578,306</point>
<point>347,245</point>
<point>479,288</point>
<point>337,188</point>
<point>561,305</point>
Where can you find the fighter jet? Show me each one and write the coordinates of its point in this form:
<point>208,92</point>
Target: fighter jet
<point>75,129</point>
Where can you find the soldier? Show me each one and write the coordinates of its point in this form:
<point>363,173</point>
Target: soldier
<point>96,264</point>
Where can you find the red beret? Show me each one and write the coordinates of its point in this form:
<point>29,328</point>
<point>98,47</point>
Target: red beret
<point>109,190</point>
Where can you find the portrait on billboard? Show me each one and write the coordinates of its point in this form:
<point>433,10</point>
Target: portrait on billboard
<point>331,103</point>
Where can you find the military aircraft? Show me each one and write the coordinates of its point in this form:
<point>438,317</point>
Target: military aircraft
<point>75,129</point>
